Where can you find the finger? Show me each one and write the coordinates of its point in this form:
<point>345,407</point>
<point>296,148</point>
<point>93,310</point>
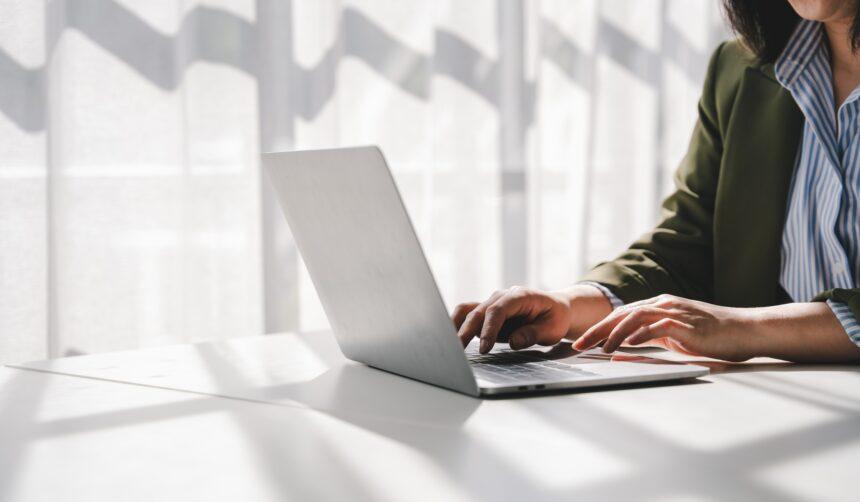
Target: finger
<point>639,334</point>
<point>525,336</point>
<point>510,325</point>
<point>471,326</point>
<point>639,317</point>
<point>664,328</point>
<point>475,319</point>
<point>461,311</point>
<point>601,330</point>
<point>509,305</point>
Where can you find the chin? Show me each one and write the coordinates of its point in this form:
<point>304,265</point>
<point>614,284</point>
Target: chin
<point>822,10</point>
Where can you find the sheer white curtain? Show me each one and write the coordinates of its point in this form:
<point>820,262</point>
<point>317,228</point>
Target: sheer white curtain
<point>530,139</point>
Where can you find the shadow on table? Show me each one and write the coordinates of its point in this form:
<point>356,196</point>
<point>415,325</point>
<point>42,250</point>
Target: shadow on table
<point>438,425</point>
<point>719,367</point>
<point>357,389</point>
<point>426,419</point>
<point>653,355</point>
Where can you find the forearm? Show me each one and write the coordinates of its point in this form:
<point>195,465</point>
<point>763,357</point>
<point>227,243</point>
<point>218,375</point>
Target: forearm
<point>588,306</point>
<point>800,332</point>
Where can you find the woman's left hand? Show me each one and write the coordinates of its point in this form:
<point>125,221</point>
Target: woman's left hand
<point>686,326</point>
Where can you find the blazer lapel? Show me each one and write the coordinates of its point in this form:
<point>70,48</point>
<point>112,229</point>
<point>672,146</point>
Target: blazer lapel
<point>760,147</point>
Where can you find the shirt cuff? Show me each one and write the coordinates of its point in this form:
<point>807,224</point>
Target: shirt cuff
<point>847,319</point>
<point>617,302</point>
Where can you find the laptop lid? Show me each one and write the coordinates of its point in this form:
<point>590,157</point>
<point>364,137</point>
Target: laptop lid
<point>367,265</point>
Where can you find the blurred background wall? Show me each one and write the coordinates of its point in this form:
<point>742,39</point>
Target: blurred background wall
<point>530,139</point>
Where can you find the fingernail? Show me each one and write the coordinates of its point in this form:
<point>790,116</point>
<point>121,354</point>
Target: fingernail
<point>485,345</point>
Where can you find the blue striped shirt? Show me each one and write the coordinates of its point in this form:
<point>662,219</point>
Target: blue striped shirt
<point>821,240</point>
<point>820,243</point>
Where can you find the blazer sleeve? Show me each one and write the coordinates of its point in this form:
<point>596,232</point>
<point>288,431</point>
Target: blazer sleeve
<point>676,257</point>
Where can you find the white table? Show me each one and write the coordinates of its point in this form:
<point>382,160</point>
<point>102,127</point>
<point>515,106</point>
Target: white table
<point>285,417</point>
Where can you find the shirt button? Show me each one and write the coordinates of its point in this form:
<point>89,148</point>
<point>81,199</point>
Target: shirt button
<point>838,267</point>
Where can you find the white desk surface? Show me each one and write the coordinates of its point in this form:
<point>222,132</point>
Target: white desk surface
<point>285,417</point>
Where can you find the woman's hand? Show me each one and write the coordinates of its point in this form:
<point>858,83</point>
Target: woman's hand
<point>802,332</point>
<point>523,316</point>
<point>678,324</point>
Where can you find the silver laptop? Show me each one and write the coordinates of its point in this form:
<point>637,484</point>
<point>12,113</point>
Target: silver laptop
<point>381,299</point>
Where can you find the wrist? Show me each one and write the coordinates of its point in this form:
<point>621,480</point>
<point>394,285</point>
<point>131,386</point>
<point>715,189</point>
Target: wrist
<point>750,331</point>
<point>587,305</point>
<point>769,331</point>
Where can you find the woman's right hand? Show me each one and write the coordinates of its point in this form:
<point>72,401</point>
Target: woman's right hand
<point>524,316</point>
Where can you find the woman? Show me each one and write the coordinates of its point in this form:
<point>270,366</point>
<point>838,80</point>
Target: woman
<point>758,252</point>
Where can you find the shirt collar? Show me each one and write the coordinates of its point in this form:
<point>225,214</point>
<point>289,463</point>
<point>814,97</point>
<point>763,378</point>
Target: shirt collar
<point>805,43</point>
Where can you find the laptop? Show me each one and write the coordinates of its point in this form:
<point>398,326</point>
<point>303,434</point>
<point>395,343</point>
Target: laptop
<point>381,299</point>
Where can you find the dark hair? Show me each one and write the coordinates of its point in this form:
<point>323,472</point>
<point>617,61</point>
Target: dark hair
<point>765,25</point>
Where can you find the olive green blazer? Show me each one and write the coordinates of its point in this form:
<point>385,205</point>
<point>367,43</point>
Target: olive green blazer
<point>720,235</point>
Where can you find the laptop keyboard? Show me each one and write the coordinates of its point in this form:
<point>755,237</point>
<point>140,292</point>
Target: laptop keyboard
<point>511,367</point>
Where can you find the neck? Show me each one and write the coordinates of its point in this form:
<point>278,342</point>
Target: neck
<point>844,62</point>
<point>842,55</point>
